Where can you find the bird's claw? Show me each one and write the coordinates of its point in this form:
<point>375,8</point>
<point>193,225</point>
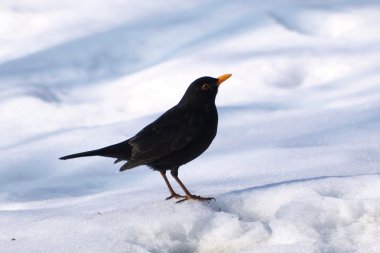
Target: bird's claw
<point>195,197</point>
<point>175,195</point>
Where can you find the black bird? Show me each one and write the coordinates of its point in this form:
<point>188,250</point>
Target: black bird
<point>178,136</point>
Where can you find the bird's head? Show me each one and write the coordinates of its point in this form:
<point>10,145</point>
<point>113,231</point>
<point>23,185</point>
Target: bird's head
<point>203,90</point>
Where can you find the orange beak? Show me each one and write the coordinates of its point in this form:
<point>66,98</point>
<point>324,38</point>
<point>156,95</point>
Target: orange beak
<point>222,78</point>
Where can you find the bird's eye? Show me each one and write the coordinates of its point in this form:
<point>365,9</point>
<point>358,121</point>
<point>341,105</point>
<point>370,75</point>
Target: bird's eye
<point>205,86</point>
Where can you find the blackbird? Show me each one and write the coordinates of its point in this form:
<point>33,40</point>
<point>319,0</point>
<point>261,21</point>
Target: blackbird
<point>178,136</point>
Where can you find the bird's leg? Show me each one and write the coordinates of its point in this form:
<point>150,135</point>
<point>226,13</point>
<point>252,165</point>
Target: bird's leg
<point>173,194</point>
<point>188,194</point>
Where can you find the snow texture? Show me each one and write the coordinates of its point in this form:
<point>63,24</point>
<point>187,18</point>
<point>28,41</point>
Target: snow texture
<point>295,164</point>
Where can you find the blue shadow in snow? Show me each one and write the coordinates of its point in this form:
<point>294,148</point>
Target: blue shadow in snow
<point>300,180</point>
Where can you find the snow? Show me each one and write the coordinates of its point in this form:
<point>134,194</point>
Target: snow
<point>295,164</point>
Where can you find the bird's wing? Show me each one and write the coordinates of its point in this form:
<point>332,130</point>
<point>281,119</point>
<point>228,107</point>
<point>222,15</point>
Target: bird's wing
<point>170,132</point>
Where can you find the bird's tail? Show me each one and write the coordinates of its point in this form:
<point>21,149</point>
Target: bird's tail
<point>82,154</point>
<point>120,151</point>
<point>128,166</point>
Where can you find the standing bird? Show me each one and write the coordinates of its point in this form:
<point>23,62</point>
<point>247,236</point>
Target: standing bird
<point>178,136</point>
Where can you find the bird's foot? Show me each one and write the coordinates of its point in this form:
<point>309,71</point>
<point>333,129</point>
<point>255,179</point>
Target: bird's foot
<point>176,196</point>
<point>195,197</point>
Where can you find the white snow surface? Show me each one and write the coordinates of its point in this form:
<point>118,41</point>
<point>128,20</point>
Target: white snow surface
<point>295,166</point>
